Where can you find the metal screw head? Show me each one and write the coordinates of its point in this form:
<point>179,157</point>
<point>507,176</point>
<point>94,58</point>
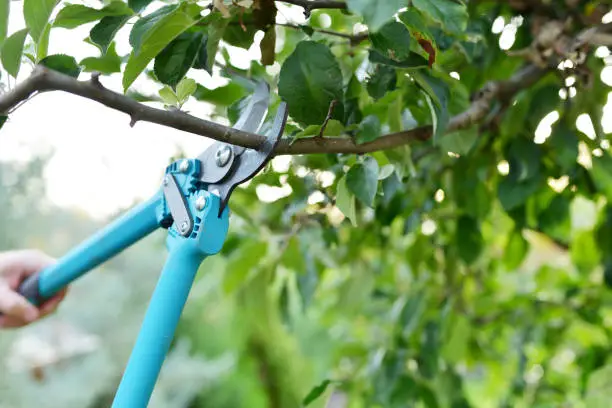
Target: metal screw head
<point>223,155</point>
<point>200,203</point>
<point>183,226</point>
<point>166,180</point>
<point>184,166</point>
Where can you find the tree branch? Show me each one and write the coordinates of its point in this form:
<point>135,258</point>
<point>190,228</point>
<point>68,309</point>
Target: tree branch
<point>44,80</point>
<point>476,112</point>
<point>317,4</point>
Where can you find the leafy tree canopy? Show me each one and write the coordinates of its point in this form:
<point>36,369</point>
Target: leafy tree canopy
<point>439,231</point>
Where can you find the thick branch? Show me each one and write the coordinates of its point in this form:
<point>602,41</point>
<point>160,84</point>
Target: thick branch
<point>317,4</point>
<point>477,111</point>
<point>43,80</point>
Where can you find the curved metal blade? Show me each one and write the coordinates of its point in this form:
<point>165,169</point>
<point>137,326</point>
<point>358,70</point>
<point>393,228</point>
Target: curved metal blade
<point>254,115</point>
<point>252,161</point>
<point>251,120</point>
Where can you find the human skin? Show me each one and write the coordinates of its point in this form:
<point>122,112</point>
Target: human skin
<point>15,267</point>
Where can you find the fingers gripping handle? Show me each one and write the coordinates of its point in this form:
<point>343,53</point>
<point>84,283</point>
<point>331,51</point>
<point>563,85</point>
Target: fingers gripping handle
<point>106,243</point>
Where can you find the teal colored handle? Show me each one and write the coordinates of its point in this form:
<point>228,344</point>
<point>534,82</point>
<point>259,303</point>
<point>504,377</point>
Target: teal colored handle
<point>168,300</point>
<point>158,327</point>
<point>106,243</point>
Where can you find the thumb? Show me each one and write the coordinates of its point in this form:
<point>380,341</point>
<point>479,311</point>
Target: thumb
<point>13,305</point>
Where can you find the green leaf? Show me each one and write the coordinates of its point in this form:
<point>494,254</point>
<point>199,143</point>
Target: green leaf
<point>369,129</point>
<point>564,143</point>
<point>185,89</point>
<point>36,14</point>
<point>138,5</point>
<point>216,28</point>
<point>235,35</point>
<point>62,63</point>
<point>157,38</point>
<point>607,275</point>
<point>74,15</point>
<point>4,19</point>
<point>601,173</point>
<point>468,239</point>
<point>12,49</point>
<point>383,81</point>
<point>168,96</point>
<point>103,33</point>
<point>345,201</point>
<point>452,15</point>
<point>362,180</point>
<point>310,79</point>
<point>146,24</point>
<point>223,95</point>
<point>392,41</point>
<point>512,193</point>
<point>292,256</point>
<point>374,12</point>
<point>516,250</point>
<point>201,61</point>
<point>106,64</point>
<point>177,58</point>
<point>411,314</point>
<point>267,47</point>
<point>584,251</point>
<point>416,22</point>
<point>316,392</point>
<point>240,264</point>
<point>414,60</point>
<point>456,347</point>
<point>599,388</point>
<point>43,43</point>
<point>460,141</point>
<point>438,95</point>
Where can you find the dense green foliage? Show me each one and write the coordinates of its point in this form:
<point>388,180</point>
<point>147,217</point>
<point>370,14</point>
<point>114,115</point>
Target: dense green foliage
<point>471,269</point>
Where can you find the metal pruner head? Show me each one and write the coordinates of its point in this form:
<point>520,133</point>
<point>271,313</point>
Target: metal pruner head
<point>225,166</point>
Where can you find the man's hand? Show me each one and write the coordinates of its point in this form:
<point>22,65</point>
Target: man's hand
<point>15,267</point>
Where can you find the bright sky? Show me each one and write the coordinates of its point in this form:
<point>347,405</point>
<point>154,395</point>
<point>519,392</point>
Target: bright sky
<point>100,163</point>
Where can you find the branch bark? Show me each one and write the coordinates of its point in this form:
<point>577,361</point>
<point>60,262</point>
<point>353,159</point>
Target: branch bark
<point>45,80</point>
<point>475,113</point>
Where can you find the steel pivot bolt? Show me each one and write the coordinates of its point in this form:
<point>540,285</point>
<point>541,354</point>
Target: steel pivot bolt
<point>200,203</point>
<point>184,166</point>
<point>223,155</point>
<point>183,227</point>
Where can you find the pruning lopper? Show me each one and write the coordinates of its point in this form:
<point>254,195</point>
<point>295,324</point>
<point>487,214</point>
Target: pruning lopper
<point>192,205</point>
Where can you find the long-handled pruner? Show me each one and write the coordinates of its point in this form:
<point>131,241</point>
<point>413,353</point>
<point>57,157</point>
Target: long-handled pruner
<point>192,205</point>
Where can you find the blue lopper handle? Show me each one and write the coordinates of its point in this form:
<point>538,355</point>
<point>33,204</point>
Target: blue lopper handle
<point>106,243</point>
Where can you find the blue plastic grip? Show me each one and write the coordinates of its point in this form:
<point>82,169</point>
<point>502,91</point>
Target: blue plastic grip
<point>158,328</point>
<point>106,243</point>
<point>168,300</point>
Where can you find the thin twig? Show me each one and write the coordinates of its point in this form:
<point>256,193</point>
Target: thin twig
<point>354,39</point>
<point>330,111</point>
